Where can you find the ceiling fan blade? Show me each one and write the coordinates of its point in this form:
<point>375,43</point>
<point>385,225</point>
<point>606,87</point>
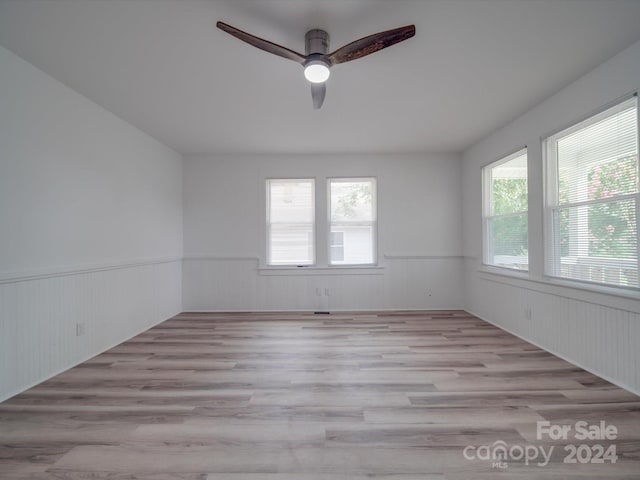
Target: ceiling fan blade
<point>318,91</point>
<point>371,44</point>
<point>262,44</point>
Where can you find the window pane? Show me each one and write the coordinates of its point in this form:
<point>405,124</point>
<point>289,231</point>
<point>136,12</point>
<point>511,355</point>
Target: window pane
<point>352,201</point>
<point>291,244</point>
<point>509,186</point>
<point>509,241</point>
<point>357,244</point>
<point>291,201</point>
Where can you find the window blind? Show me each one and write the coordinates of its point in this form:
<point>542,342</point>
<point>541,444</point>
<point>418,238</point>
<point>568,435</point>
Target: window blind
<point>290,222</point>
<point>592,199</point>
<point>506,226</point>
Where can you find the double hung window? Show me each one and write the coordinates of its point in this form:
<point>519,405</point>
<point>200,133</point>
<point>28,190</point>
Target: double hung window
<point>352,221</point>
<point>291,222</point>
<point>592,199</point>
<point>505,221</point>
<point>349,232</point>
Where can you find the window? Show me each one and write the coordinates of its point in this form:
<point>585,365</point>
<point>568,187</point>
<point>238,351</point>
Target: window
<point>290,222</point>
<point>592,199</point>
<point>352,221</point>
<point>349,232</point>
<point>505,212</point>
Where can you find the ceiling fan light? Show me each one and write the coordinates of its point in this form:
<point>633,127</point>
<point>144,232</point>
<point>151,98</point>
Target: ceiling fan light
<point>316,71</point>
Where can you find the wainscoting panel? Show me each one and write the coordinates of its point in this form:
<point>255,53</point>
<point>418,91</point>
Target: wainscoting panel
<point>404,282</point>
<point>52,321</point>
<point>599,338</point>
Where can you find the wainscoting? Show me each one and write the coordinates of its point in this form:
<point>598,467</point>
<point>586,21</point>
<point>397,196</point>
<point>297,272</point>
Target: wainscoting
<point>51,321</point>
<point>408,282</point>
<point>575,325</point>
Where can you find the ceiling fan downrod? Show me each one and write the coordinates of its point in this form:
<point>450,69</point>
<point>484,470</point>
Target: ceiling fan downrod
<point>316,41</point>
<point>316,68</point>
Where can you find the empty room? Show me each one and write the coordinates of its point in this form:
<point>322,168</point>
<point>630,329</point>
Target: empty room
<point>319,240</point>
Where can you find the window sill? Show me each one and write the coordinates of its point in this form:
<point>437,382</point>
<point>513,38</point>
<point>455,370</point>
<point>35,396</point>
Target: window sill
<point>624,292</point>
<point>314,270</point>
<point>504,271</point>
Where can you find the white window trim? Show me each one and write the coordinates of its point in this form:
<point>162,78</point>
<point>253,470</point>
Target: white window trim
<point>486,213</point>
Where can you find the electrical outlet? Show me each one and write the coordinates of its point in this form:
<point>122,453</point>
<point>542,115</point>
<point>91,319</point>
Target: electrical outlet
<point>79,329</point>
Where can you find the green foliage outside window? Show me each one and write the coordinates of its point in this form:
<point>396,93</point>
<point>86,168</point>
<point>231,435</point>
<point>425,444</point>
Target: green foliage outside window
<point>510,195</point>
<point>351,198</point>
<point>612,225</point>
<point>510,235</point>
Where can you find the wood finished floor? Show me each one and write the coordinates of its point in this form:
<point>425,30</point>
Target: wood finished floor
<point>302,397</point>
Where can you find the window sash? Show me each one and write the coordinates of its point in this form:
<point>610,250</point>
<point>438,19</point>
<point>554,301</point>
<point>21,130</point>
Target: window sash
<point>618,270</point>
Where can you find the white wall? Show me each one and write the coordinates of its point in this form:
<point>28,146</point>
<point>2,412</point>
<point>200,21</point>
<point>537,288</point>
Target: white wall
<point>597,331</point>
<point>91,212</point>
<point>90,227</point>
<point>419,210</point>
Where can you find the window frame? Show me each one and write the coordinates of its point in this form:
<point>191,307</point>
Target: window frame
<point>321,230</point>
<point>487,216</point>
<point>552,255</point>
<point>373,223</point>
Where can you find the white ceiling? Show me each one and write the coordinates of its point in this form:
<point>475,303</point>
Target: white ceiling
<point>162,65</point>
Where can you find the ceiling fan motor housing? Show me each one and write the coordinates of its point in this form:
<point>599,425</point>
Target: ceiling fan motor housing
<point>316,41</point>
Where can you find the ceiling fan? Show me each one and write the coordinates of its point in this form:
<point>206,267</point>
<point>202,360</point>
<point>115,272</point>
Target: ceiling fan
<point>317,61</point>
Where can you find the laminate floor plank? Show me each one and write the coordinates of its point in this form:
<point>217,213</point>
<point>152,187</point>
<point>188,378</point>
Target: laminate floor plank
<point>295,396</point>
<point>506,398</point>
<point>417,435</point>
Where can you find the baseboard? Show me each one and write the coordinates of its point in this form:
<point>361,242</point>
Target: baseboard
<point>311,310</point>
